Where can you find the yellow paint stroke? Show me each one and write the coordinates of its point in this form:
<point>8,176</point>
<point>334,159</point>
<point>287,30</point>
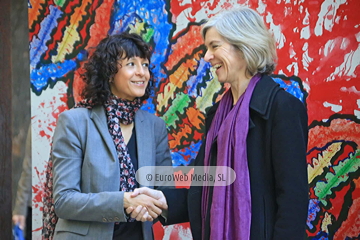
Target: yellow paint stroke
<point>326,222</point>
<point>207,94</point>
<point>195,117</point>
<point>138,28</point>
<point>34,11</point>
<point>182,74</point>
<point>322,161</point>
<point>71,34</point>
<point>164,97</point>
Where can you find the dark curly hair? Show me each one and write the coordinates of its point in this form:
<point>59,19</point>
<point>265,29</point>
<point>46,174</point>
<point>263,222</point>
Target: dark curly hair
<point>103,65</point>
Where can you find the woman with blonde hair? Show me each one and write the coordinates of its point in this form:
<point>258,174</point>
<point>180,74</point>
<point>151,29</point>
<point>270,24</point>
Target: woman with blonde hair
<point>257,129</point>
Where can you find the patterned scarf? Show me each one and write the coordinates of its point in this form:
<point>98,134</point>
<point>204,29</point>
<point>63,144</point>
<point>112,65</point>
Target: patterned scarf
<point>230,211</point>
<point>117,111</point>
<point>120,111</point>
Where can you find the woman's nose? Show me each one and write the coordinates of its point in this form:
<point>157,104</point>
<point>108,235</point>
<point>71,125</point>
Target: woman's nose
<point>140,71</point>
<point>208,56</point>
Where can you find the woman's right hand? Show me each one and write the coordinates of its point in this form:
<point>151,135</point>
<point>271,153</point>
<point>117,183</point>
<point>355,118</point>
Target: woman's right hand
<point>142,207</point>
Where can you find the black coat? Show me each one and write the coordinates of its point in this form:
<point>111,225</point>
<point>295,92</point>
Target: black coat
<point>276,148</point>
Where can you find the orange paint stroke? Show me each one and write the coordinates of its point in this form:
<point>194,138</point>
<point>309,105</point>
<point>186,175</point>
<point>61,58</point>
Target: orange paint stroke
<point>34,11</point>
<point>79,12</point>
<point>195,117</point>
<point>182,133</point>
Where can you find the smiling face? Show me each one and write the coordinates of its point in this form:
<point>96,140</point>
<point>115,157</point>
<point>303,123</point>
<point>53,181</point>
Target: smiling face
<point>131,79</point>
<point>227,60</point>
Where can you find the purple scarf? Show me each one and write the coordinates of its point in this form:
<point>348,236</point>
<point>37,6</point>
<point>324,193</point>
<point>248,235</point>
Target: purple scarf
<point>230,213</point>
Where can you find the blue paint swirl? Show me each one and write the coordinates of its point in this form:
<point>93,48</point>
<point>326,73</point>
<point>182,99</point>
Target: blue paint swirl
<point>293,88</point>
<point>190,153</point>
<point>38,44</point>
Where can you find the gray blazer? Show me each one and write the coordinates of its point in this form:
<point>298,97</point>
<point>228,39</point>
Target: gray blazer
<point>23,193</point>
<point>86,171</point>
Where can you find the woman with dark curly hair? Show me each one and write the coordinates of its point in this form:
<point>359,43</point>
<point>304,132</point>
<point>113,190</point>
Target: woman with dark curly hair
<point>100,143</point>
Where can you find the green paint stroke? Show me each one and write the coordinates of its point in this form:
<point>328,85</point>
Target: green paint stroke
<point>179,104</point>
<point>60,3</point>
<point>342,171</point>
<point>148,35</point>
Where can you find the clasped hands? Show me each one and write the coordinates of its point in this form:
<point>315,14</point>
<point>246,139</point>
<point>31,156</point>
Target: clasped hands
<point>144,204</point>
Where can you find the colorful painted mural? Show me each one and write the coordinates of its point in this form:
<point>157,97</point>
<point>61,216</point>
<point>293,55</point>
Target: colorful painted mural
<point>318,44</point>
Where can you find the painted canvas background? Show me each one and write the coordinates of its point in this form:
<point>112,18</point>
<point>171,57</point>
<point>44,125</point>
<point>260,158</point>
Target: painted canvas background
<point>318,44</point>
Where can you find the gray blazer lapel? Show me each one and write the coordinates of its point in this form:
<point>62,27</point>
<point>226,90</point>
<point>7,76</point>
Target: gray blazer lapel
<point>99,118</point>
<point>143,136</point>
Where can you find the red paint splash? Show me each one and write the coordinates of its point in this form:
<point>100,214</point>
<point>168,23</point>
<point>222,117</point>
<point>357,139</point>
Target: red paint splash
<point>322,65</point>
<point>38,190</point>
<point>350,228</point>
<point>339,129</point>
<point>338,202</point>
<point>347,150</point>
<point>158,231</point>
<point>184,46</point>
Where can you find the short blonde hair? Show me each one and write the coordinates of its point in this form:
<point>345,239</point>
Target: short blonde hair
<point>245,29</point>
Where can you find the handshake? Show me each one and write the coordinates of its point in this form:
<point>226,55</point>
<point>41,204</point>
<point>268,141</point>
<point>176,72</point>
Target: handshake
<point>144,204</point>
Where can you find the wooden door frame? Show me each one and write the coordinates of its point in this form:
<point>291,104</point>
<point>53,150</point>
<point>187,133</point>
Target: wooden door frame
<point>5,121</point>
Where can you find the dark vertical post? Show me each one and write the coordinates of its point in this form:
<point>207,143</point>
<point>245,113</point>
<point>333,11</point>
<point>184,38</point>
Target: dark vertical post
<point>5,120</point>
